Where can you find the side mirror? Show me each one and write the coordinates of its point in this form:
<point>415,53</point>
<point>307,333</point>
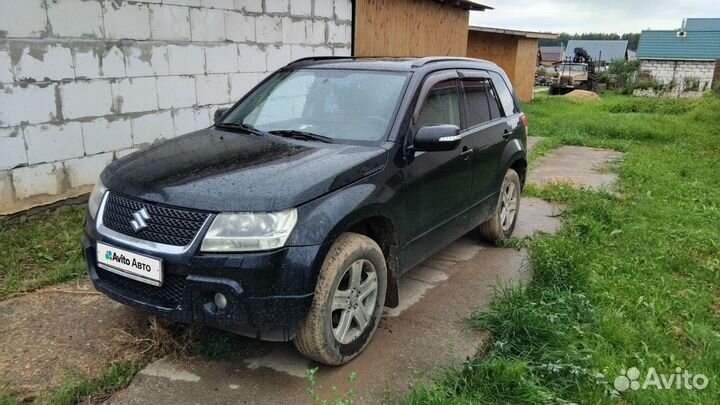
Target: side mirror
<point>219,113</point>
<point>437,138</point>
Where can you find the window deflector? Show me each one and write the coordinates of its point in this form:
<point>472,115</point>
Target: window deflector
<point>473,74</point>
<point>430,81</point>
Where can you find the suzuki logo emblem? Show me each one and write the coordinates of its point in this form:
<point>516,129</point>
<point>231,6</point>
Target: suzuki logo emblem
<point>139,220</point>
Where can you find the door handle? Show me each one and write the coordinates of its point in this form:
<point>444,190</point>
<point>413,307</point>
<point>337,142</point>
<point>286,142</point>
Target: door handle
<point>466,152</point>
<point>507,134</point>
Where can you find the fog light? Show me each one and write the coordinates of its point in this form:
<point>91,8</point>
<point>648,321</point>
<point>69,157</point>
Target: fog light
<point>220,301</point>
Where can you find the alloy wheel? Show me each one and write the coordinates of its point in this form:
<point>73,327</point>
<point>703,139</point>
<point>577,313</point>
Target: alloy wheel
<point>508,206</point>
<point>354,301</point>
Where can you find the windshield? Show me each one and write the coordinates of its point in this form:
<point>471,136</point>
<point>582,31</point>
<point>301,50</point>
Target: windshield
<point>573,68</point>
<point>338,104</point>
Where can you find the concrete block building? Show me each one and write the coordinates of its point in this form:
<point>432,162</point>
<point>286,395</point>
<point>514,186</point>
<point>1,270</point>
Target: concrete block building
<point>687,57</point>
<point>83,82</point>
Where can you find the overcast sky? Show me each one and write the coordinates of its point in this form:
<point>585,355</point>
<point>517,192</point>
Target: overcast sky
<point>578,16</point>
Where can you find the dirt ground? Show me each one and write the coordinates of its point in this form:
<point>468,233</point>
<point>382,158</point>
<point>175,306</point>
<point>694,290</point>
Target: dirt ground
<point>583,95</point>
<point>60,331</point>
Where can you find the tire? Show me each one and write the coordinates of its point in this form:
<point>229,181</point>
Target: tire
<point>332,332</point>
<point>496,228</point>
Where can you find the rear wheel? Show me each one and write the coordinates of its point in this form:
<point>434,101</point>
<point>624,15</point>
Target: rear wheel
<point>502,223</point>
<point>348,302</point>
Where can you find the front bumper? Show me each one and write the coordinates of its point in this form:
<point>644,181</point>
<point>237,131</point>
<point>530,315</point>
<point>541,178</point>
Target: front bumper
<point>268,293</point>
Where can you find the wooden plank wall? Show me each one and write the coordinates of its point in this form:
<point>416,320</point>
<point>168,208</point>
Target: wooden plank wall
<point>515,54</point>
<point>498,48</point>
<point>525,66</point>
<point>409,28</point>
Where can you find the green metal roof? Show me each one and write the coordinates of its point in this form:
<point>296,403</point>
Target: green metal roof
<point>695,45</point>
<point>702,24</point>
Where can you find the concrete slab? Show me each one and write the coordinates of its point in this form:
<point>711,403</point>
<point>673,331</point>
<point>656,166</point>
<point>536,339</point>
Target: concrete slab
<point>537,215</point>
<point>578,166</point>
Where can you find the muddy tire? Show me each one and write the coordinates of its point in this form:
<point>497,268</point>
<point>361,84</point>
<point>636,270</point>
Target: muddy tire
<point>348,302</point>
<point>502,224</point>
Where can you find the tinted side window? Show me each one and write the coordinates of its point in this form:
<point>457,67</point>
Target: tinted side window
<point>506,98</point>
<point>476,100</point>
<point>441,105</point>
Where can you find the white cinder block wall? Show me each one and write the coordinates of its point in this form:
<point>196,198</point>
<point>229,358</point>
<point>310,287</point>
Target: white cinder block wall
<point>84,82</point>
<point>667,71</point>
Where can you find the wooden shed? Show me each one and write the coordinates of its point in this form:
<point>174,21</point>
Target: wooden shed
<point>441,28</point>
<point>412,27</point>
<point>514,51</point>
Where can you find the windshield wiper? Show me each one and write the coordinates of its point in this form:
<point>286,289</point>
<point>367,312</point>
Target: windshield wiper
<point>296,134</point>
<point>242,126</point>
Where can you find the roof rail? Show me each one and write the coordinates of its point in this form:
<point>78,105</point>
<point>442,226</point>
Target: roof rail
<point>318,58</point>
<point>432,59</point>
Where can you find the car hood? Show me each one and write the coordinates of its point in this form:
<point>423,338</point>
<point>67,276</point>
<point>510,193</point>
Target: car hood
<point>217,170</point>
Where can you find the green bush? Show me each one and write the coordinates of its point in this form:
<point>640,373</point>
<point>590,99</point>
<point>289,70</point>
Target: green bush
<point>621,72</point>
<point>691,84</point>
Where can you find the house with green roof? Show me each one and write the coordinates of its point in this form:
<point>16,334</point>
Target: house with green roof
<point>687,57</point>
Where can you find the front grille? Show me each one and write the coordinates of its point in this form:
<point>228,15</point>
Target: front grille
<point>169,295</point>
<point>167,225</point>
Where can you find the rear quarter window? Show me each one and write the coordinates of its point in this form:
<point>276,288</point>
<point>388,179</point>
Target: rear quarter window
<point>506,98</point>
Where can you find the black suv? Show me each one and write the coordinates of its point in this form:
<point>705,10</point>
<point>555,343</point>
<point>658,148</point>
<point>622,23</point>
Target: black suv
<point>294,215</point>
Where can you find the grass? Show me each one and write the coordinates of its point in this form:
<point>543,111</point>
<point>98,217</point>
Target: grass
<point>40,250</point>
<point>8,398</point>
<point>213,344</point>
<point>82,389</point>
<point>631,280</point>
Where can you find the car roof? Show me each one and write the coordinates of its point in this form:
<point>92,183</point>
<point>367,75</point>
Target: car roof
<point>393,64</point>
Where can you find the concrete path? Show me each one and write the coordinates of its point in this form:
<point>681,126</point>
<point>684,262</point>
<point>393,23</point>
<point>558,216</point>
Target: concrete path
<point>578,166</point>
<point>413,342</point>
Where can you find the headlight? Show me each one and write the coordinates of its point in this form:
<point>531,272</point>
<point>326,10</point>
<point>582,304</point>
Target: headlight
<point>96,198</point>
<point>247,231</point>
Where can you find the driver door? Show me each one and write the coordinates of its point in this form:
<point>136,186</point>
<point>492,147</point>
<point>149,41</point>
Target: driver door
<point>438,184</point>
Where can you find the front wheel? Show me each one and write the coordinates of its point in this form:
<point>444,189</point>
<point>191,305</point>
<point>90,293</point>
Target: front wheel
<point>502,223</point>
<point>348,302</point>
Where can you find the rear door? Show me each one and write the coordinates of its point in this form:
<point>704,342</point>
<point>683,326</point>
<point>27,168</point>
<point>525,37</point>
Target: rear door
<point>486,129</point>
<point>514,130</point>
